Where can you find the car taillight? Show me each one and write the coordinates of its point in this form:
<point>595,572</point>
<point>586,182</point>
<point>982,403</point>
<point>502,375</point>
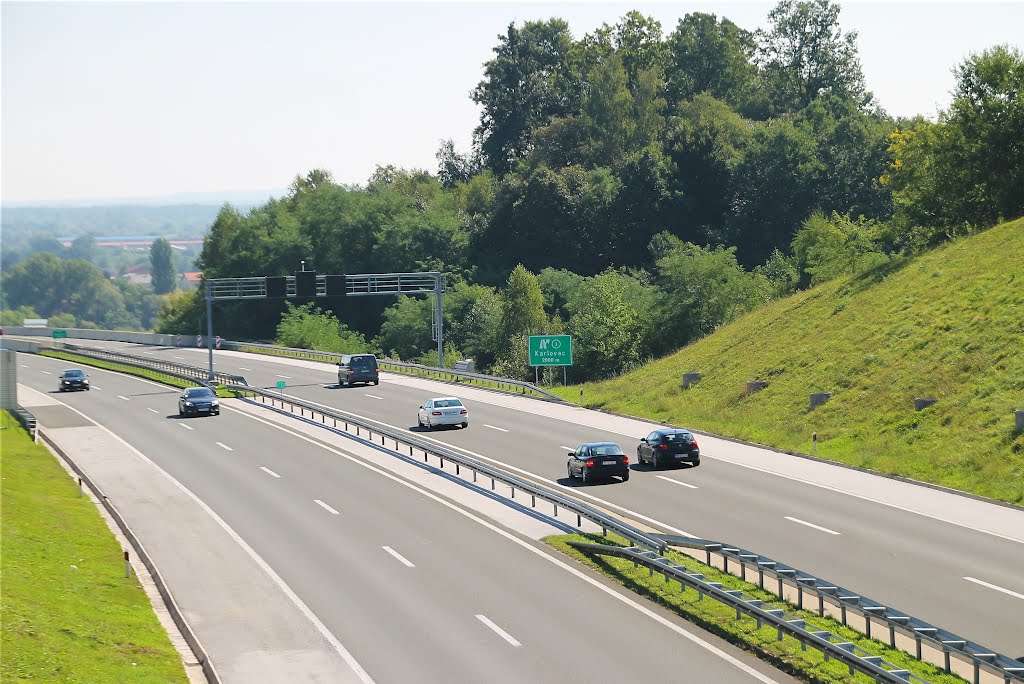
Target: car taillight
<point>625,460</point>
<point>436,413</point>
<point>663,446</point>
<point>463,412</point>
<point>351,372</point>
<point>695,444</point>
<point>590,463</point>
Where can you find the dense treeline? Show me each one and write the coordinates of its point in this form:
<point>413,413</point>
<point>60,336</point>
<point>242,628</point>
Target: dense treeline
<point>636,190</point>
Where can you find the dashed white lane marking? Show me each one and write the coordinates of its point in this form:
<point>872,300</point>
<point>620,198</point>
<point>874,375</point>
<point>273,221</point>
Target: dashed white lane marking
<point>326,507</point>
<point>560,446</point>
<point>187,427</point>
<point>224,446</point>
<point>286,377</point>
<point>152,409</point>
<point>244,368</point>
<point>47,373</point>
<point>400,557</point>
<point>374,396</point>
<point>817,527</point>
<point>149,353</point>
<point>23,365</point>
<point>498,630</point>
<point>685,484</point>
<point>121,396</point>
<point>179,357</point>
<point>994,586</point>
<point>268,471</point>
<point>95,387</point>
<point>495,427</point>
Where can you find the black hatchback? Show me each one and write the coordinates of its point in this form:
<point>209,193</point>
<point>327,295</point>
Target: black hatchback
<point>73,379</point>
<point>662,447</point>
<point>598,459</point>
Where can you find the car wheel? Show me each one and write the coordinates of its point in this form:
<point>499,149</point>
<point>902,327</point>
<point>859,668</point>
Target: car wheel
<point>568,471</point>
<point>583,475</point>
<point>87,389</point>
<point>465,425</point>
<point>654,461</point>
<point>376,382</point>
<point>625,477</point>
<point>696,463</point>
<point>181,414</point>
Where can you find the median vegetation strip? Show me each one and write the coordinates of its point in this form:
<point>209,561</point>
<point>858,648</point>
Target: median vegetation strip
<point>68,611</point>
<point>154,375</point>
<point>719,619</point>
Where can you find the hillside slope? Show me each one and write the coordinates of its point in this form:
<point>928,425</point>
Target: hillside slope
<point>948,325</point>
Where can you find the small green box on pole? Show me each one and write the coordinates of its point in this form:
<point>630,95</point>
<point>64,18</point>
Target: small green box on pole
<point>60,334</point>
<point>550,350</point>
<point>280,384</point>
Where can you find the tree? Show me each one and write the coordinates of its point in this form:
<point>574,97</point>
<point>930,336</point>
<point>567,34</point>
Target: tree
<point>806,55</point>
<point>607,328</point>
<point>83,247</point>
<point>522,315</point>
<point>710,56</point>
<point>161,259</point>
<point>525,86</point>
<point>308,327</point>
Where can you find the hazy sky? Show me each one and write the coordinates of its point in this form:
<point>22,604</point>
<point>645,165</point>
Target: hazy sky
<point>123,99</point>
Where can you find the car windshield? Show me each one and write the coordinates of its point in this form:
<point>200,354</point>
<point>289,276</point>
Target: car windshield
<point>74,374</point>
<point>199,393</point>
<point>606,450</point>
<point>678,437</point>
<point>446,403</point>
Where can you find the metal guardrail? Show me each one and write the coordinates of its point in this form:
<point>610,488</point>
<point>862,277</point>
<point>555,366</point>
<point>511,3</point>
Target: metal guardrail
<point>371,431</point>
<point>443,374</point>
<point>170,367</point>
<point>27,420</point>
<point>856,658</point>
<point>929,643</point>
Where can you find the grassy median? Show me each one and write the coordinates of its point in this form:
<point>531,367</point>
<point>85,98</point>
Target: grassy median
<point>154,375</point>
<point>67,612</point>
<point>717,618</point>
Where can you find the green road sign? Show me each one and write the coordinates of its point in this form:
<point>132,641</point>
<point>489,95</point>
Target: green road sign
<point>60,334</point>
<point>550,350</point>
<point>280,384</point>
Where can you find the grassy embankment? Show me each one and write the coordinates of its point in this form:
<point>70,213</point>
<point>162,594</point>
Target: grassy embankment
<point>948,324</point>
<point>68,612</point>
<point>717,618</point>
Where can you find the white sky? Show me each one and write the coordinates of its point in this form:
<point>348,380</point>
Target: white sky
<point>140,99</point>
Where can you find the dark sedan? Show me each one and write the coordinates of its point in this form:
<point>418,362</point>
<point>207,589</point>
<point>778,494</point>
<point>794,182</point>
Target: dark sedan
<point>196,401</point>
<point>598,460</point>
<point>73,379</point>
<point>662,447</point>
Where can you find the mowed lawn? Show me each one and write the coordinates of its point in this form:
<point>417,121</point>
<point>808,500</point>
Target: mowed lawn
<point>67,612</point>
<point>947,325</point>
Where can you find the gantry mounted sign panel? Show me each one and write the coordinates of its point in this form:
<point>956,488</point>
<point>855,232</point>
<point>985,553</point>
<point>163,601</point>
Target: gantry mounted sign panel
<point>301,285</point>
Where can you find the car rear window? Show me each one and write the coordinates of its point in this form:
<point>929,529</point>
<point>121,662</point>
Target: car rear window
<point>447,403</point>
<point>678,437</point>
<point>606,450</point>
<point>362,362</point>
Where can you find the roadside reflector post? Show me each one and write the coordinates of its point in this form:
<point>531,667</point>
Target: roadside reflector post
<point>79,488</point>
<point>127,566</point>
<point>814,442</point>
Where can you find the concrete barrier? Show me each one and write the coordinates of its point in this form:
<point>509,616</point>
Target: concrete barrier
<point>923,403</point>
<point>690,379</point>
<point>754,386</point>
<point>819,398</point>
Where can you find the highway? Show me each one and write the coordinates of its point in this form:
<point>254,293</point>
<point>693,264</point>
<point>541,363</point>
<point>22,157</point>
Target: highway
<point>415,588</point>
<point>960,567</point>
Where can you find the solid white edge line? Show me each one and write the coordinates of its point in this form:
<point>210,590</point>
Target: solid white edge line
<point>994,586</point>
<point>224,446</point>
<point>542,553</point>
<point>817,527</point>
<point>401,559</point>
<point>339,648</point>
<point>326,507</point>
<point>669,479</point>
<point>269,471</point>
<point>499,631</point>
<point>495,427</point>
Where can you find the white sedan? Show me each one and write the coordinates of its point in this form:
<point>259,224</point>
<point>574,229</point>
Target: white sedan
<point>442,411</point>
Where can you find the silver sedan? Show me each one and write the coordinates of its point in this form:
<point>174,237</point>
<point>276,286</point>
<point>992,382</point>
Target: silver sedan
<point>442,411</point>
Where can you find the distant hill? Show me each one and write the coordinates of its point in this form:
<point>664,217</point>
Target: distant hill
<point>947,325</point>
<point>170,219</point>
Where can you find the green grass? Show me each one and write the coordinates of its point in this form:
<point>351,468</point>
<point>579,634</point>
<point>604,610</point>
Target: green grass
<point>154,375</point>
<point>948,324</point>
<point>67,612</point>
<point>721,620</point>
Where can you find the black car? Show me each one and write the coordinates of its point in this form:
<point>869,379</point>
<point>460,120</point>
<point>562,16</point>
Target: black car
<point>662,447</point>
<point>196,401</point>
<point>598,459</point>
<point>353,368</point>
<point>73,379</point>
